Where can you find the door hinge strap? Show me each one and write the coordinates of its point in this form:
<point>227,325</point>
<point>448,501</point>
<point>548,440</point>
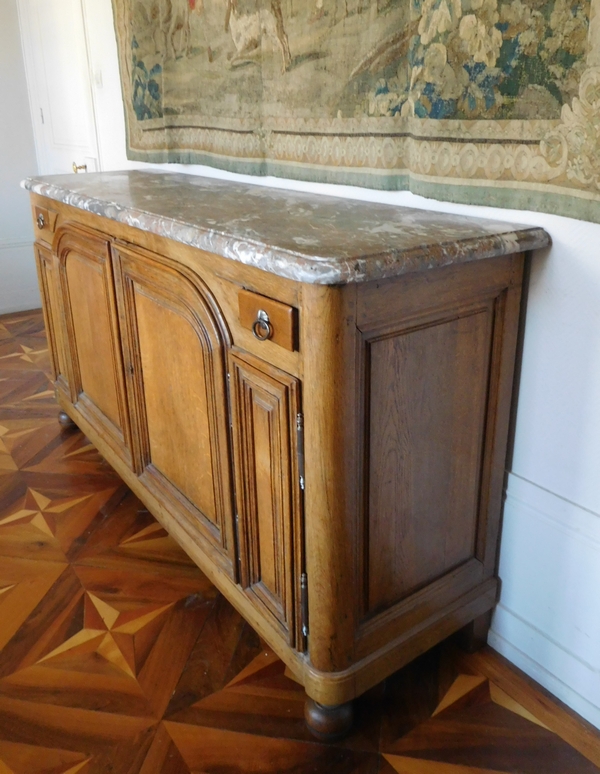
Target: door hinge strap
<point>304,603</point>
<point>300,447</point>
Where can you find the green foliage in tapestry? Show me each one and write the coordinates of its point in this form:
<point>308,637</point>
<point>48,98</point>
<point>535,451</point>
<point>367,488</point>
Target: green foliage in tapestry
<point>146,87</point>
<point>486,59</point>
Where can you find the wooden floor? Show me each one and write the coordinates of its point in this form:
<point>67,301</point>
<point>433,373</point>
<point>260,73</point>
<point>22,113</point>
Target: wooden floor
<point>117,655</point>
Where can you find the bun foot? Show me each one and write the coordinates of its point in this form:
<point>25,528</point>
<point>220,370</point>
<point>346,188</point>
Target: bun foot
<point>328,723</point>
<point>474,636</point>
<point>65,421</point>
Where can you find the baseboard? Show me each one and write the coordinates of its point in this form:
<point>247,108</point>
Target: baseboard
<point>548,619</point>
<point>587,709</point>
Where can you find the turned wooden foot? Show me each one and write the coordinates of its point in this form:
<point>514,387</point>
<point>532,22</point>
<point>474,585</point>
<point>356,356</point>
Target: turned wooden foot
<point>474,636</point>
<point>328,723</point>
<point>65,421</point>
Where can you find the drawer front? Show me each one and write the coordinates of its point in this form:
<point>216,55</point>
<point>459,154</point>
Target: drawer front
<point>44,222</point>
<point>269,320</point>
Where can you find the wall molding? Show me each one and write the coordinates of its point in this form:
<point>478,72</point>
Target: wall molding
<point>11,244</point>
<point>548,619</point>
<point>536,641</point>
<point>576,520</point>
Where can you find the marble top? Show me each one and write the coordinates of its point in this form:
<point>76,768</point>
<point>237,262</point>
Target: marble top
<point>304,237</point>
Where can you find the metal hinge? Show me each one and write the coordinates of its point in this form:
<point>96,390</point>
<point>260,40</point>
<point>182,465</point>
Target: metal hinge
<point>300,447</point>
<point>229,397</point>
<point>304,603</point>
<point>238,556</point>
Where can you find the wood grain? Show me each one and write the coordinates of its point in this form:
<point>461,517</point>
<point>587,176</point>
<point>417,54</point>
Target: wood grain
<point>118,655</point>
<point>265,406</point>
<point>391,543</point>
<point>90,332</point>
<point>177,392</point>
<point>427,391</point>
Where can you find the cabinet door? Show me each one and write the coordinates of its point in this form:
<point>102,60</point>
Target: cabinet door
<point>175,343</point>
<point>48,281</point>
<point>90,333</point>
<point>265,405</point>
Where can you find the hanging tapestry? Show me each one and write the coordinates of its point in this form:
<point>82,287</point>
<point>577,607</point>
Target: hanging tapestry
<point>479,101</point>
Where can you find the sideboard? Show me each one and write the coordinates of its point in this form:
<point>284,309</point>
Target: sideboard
<point>311,394</point>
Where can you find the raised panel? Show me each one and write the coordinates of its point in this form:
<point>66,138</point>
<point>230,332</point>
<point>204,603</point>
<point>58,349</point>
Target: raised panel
<point>46,277</point>
<point>176,400</point>
<point>93,340</point>
<point>175,345</point>
<point>265,405</point>
<point>91,333</point>
<point>426,393</point>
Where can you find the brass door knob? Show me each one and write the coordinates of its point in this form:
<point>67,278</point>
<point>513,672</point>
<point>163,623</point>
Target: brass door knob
<point>80,168</point>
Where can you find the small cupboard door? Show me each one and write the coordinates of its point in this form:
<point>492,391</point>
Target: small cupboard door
<point>265,406</point>
<point>90,334</point>
<point>175,342</point>
<point>47,276</point>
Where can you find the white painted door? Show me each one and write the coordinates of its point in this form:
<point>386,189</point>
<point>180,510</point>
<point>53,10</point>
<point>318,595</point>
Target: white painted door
<point>60,89</point>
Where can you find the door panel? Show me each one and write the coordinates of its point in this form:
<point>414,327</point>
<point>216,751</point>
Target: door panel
<point>265,405</point>
<point>91,322</point>
<point>55,50</point>
<point>91,333</point>
<point>175,345</point>
<point>179,440</point>
<point>47,275</point>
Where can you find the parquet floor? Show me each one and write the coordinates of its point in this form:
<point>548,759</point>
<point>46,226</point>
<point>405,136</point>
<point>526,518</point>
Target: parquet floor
<point>117,655</point>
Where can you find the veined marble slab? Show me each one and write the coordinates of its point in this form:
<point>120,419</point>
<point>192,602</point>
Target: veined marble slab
<point>304,237</point>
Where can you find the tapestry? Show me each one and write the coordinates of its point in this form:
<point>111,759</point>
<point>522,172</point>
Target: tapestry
<point>479,101</point>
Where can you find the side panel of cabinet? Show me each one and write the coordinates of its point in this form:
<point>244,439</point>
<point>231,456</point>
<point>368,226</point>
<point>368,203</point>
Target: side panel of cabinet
<point>175,343</point>
<point>265,405</point>
<point>91,333</point>
<point>436,369</point>
<point>427,388</point>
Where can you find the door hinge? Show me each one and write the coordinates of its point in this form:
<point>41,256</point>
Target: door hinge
<point>229,401</point>
<point>304,604</point>
<point>300,448</point>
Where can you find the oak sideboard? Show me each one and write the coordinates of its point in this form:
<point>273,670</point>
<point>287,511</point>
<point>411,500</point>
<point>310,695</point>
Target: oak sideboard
<point>311,394</point>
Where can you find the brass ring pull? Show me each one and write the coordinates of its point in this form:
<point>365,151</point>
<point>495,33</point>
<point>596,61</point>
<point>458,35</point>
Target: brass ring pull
<point>262,327</point>
<point>41,221</point>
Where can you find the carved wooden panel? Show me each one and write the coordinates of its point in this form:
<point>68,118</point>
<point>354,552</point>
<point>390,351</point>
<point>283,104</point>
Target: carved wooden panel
<point>175,343</point>
<point>47,283</point>
<point>100,644</point>
<point>265,405</point>
<point>91,332</point>
<point>427,387</point>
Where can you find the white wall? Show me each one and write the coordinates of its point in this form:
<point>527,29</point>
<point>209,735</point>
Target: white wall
<point>18,283</point>
<point>548,622</point>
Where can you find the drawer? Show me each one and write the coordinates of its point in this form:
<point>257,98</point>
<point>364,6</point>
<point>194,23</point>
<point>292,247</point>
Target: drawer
<point>44,221</point>
<point>269,320</point>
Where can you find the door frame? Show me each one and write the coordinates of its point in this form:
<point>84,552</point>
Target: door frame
<point>36,93</point>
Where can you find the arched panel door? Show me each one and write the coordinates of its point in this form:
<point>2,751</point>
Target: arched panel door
<point>90,334</point>
<point>175,346</point>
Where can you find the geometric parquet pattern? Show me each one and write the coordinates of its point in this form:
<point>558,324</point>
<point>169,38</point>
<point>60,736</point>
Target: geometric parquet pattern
<point>117,656</point>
